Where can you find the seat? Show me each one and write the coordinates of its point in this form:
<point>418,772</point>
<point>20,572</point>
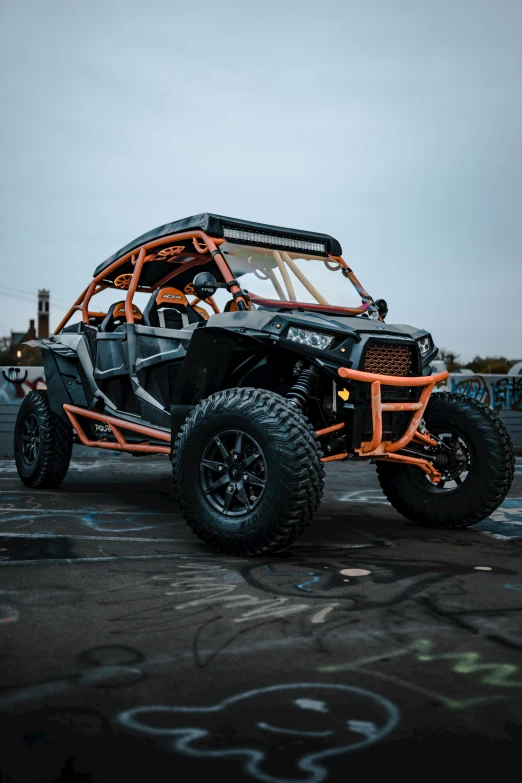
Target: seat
<point>169,309</point>
<point>201,311</point>
<point>116,317</point>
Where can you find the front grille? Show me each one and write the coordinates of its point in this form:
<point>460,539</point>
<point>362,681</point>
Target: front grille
<point>396,394</point>
<point>388,360</point>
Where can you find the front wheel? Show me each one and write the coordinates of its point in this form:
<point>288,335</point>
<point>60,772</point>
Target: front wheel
<point>248,470</point>
<point>42,443</point>
<point>475,456</point>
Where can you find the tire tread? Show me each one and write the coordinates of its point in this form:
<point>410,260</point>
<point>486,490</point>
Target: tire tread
<point>300,461</point>
<point>496,481</point>
<point>55,443</point>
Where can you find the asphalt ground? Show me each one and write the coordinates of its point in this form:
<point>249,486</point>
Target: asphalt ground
<point>130,652</point>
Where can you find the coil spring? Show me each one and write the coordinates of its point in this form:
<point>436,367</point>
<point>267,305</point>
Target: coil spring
<point>303,387</point>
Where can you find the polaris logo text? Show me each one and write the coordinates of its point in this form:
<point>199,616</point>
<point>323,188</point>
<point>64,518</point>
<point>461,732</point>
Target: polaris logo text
<point>102,428</point>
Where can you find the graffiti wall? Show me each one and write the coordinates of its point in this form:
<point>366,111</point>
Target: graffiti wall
<point>16,382</point>
<point>498,392</point>
<point>501,393</point>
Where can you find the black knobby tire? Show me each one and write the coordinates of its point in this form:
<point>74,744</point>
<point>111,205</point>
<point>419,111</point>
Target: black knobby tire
<point>42,459</point>
<point>488,481</point>
<point>291,455</point>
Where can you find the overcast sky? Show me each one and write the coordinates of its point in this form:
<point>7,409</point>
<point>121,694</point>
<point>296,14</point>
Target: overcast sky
<point>394,125</point>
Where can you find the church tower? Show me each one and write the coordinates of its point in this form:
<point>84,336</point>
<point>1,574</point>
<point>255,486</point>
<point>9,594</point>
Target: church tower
<point>43,312</point>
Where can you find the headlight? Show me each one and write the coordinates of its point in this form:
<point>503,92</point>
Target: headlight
<point>425,344</point>
<point>307,337</point>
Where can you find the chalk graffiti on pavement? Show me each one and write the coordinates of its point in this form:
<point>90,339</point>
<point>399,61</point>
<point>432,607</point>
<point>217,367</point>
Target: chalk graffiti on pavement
<point>505,522</point>
<point>318,721</point>
<point>497,674</point>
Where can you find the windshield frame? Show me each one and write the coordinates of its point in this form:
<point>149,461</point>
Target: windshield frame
<point>288,299</point>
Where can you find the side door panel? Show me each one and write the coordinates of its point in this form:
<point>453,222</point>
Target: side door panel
<point>111,370</point>
<point>159,357</point>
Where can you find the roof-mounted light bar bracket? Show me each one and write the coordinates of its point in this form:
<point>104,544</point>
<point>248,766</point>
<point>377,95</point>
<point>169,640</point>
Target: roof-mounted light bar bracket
<point>247,237</point>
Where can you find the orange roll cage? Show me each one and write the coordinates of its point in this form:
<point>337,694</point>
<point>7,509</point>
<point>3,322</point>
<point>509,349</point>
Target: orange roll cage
<point>140,256</point>
<point>96,285</point>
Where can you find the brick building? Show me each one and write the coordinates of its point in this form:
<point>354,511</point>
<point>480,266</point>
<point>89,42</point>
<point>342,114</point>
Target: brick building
<point>18,350</point>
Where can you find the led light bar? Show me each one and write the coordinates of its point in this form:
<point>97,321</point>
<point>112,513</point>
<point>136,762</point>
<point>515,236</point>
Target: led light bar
<point>270,240</point>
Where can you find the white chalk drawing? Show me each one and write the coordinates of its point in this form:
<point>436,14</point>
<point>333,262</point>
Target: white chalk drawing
<point>322,720</point>
<point>373,496</point>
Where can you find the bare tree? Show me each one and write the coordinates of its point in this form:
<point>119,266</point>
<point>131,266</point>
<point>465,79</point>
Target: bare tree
<point>5,344</point>
<point>450,357</point>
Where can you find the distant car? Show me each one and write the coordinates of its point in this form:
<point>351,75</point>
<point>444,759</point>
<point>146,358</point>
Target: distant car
<point>250,403</point>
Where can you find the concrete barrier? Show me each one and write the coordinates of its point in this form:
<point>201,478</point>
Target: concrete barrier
<point>15,383</point>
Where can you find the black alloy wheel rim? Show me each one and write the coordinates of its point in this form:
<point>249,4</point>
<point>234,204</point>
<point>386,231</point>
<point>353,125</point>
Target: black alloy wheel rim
<point>452,457</point>
<point>30,440</point>
<point>233,472</point>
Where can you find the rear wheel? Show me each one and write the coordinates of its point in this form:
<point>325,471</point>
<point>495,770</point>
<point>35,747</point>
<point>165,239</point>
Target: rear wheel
<point>248,469</point>
<point>42,443</point>
<point>475,457</point>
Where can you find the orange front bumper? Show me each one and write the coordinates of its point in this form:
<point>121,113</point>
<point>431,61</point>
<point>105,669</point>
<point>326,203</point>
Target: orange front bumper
<point>380,449</point>
<point>377,446</point>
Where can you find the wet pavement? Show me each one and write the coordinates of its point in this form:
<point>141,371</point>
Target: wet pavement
<point>129,651</point>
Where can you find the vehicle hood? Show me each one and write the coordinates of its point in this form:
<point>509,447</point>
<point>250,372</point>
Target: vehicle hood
<point>353,323</point>
<point>266,320</point>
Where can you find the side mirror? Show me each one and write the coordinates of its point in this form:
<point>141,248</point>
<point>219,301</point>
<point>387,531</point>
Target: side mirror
<point>205,285</point>
<point>382,307</point>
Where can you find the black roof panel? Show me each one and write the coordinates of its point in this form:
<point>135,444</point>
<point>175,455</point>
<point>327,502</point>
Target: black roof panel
<point>213,225</point>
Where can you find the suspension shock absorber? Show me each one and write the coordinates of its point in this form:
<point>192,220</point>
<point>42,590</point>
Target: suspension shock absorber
<point>305,384</point>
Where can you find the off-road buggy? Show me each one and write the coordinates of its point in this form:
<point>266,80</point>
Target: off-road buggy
<point>298,369</point>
